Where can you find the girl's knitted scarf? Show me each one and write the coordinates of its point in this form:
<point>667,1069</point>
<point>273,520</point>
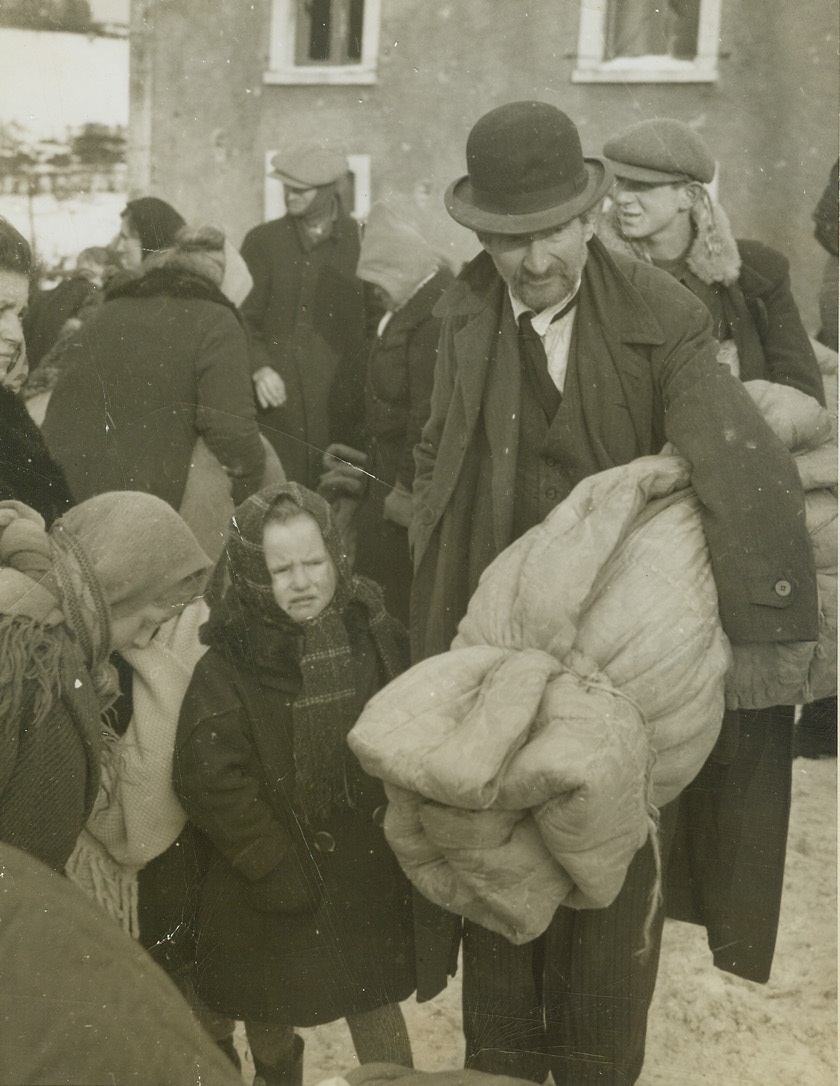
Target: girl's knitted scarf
<point>247,624</point>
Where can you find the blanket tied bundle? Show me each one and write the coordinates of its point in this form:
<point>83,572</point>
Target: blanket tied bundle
<point>585,689</point>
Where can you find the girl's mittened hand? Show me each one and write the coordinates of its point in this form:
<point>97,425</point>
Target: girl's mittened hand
<point>294,886</point>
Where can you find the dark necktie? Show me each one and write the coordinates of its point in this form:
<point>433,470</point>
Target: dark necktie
<point>535,363</point>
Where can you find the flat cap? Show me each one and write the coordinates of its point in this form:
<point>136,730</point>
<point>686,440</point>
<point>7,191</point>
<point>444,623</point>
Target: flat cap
<point>308,166</point>
<point>660,150</point>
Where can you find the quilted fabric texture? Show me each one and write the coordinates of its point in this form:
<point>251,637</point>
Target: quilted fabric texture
<point>584,689</point>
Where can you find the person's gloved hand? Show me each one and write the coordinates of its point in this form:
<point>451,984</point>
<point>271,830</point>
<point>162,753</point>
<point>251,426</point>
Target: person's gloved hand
<point>343,473</point>
<point>294,886</point>
<point>397,506</point>
<point>269,387</point>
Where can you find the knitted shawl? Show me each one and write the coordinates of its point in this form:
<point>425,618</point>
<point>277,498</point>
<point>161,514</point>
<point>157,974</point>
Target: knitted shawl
<point>247,624</point>
<point>47,582</point>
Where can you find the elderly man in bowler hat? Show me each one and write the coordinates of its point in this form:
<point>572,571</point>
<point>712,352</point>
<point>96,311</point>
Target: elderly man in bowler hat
<point>306,310</point>
<point>556,361</point>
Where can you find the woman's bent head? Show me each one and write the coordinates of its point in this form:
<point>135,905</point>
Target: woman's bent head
<point>145,558</point>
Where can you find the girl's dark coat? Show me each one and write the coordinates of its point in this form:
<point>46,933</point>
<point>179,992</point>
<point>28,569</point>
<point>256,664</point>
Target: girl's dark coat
<point>234,772</point>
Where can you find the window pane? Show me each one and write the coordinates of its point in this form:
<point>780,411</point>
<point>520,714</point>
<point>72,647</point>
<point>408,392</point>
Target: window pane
<point>329,31</point>
<point>653,28</point>
<point>320,24</point>
<point>355,28</point>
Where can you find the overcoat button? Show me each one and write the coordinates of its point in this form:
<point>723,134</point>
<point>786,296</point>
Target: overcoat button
<point>427,516</point>
<point>378,816</point>
<point>324,842</point>
<point>782,588</point>
<point>551,493</point>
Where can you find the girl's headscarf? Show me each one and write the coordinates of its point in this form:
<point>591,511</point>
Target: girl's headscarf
<point>110,555</point>
<point>243,611</point>
<point>154,221</point>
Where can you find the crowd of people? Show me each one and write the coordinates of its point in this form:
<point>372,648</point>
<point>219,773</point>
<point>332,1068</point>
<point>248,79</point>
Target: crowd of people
<point>243,493</point>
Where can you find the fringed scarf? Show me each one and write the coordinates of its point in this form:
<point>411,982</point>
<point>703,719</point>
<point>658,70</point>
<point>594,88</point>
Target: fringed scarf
<point>246,621</point>
<point>48,581</point>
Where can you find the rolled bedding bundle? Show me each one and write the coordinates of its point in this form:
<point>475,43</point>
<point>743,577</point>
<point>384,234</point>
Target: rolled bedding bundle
<point>585,688</point>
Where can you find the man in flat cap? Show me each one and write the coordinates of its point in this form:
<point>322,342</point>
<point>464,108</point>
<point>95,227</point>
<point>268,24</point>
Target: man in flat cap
<point>663,213</point>
<point>307,307</point>
<point>558,360</point>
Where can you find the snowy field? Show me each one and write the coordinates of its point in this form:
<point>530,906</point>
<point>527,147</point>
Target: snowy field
<point>58,230</point>
<point>707,1028</point>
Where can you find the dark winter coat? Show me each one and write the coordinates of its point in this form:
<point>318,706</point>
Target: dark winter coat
<point>262,953</point>
<point>50,310</point>
<point>57,757</point>
<point>725,873</point>
<point>400,375</point>
<point>28,473</point>
<point>81,1001</point>
<point>306,312</point>
<point>164,361</point>
<point>662,381</point>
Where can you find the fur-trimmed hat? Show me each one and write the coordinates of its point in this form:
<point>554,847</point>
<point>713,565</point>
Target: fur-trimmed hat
<point>308,166</point>
<point>659,151</point>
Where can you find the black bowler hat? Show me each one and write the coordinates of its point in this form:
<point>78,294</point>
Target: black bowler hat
<point>526,172</point>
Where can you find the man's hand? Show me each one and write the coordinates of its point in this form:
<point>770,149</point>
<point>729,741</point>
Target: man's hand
<point>343,473</point>
<point>397,506</point>
<point>269,387</point>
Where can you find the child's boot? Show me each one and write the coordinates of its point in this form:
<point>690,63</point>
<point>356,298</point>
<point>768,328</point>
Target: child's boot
<point>285,1074</point>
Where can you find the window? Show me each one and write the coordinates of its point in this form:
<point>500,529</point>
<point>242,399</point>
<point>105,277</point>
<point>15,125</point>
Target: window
<point>648,41</point>
<point>355,192</point>
<point>324,41</point>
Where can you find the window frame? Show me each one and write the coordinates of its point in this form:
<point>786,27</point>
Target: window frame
<point>274,206</point>
<point>592,67</point>
<point>282,66</point>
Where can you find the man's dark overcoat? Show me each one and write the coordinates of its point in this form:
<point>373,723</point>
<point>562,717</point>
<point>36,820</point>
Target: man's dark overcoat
<point>642,370</point>
<point>306,312</point>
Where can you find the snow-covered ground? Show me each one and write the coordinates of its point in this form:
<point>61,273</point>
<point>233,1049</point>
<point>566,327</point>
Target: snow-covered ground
<point>707,1028</point>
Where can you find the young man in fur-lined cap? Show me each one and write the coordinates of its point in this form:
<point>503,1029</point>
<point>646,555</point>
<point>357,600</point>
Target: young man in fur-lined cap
<point>662,212</point>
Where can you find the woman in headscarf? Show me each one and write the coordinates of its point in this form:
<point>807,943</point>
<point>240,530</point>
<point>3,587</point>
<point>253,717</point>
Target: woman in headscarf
<point>147,226</point>
<point>383,406</point>
<point>307,310</point>
<point>104,578</point>
<point>28,474</point>
<point>305,916</point>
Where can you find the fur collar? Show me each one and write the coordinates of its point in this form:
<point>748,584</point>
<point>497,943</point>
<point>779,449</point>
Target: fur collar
<point>713,256</point>
<point>170,281</point>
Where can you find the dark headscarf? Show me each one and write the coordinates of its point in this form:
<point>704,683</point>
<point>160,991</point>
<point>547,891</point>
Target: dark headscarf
<point>246,622</point>
<point>154,221</point>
